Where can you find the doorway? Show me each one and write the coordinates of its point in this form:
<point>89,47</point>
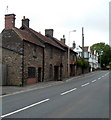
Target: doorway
<point>39,74</point>
<point>56,73</point>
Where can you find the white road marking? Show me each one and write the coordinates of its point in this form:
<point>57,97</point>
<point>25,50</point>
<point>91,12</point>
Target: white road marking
<point>84,84</point>
<point>25,108</point>
<point>102,76</point>
<point>68,91</point>
<point>99,78</point>
<point>94,81</point>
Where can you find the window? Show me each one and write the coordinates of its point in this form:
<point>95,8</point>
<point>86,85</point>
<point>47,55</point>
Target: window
<point>31,72</point>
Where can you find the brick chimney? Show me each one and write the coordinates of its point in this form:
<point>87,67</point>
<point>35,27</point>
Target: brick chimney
<point>25,21</point>
<point>63,39</point>
<point>9,21</point>
<point>49,32</point>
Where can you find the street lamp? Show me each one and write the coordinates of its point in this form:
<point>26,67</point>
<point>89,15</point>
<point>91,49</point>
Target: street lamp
<point>69,52</point>
<point>101,53</point>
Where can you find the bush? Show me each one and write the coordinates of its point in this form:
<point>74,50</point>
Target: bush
<point>82,63</point>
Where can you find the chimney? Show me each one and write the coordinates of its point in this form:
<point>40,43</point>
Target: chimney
<point>9,21</point>
<point>49,32</point>
<point>63,39</point>
<point>25,22</point>
<point>73,45</point>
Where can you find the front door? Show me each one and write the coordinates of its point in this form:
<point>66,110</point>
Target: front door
<point>39,74</point>
<point>56,73</point>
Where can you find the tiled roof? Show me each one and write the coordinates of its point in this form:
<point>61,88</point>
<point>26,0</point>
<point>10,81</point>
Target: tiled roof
<point>46,39</point>
<point>60,42</point>
<point>63,45</point>
<point>25,35</point>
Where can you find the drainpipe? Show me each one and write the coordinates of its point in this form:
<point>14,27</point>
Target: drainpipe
<point>23,64</point>
<point>43,65</point>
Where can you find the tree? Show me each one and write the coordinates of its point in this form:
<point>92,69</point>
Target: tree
<point>104,52</point>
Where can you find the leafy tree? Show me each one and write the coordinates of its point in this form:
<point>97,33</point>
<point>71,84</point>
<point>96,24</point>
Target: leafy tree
<point>104,52</point>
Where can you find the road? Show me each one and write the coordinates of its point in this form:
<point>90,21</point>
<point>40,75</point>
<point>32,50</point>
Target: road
<point>83,97</point>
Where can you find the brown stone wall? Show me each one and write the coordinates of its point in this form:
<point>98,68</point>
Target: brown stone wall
<point>12,41</point>
<point>79,70</point>
<point>86,70</point>
<point>54,60</point>
<point>33,57</point>
<point>12,56</point>
<point>13,60</point>
<point>65,64</point>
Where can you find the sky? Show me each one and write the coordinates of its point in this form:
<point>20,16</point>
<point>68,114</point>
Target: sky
<point>63,16</point>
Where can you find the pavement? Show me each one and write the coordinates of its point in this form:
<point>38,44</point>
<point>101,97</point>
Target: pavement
<point>16,89</point>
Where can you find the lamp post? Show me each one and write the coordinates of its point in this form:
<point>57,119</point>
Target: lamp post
<point>100,59</point>
<point>69,52</point>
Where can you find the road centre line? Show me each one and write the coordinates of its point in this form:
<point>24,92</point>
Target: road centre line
<point>84,84</point>
<point>68,91</point>
<point>99,78</point>
<point>94,81</point>
<point>25,108</point>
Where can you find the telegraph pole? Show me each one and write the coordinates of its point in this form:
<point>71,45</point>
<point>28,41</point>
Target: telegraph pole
<point>82,42</point>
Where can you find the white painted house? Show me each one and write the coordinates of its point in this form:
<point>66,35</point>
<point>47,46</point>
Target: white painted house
<point>92,57</point>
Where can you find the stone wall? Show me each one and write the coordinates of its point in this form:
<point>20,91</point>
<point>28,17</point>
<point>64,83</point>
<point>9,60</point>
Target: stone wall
<point>33,57</point>
<point>65,64</point>
<point>14,62</point>
<point>12,56</point>
<point>54,57</point>
<point>12,41</point>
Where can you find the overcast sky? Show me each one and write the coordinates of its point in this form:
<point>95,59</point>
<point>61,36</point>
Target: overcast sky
<point>63,16</point>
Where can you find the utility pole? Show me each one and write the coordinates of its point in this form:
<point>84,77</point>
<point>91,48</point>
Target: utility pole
<point>82,42</point>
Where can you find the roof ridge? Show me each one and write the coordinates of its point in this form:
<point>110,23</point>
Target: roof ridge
<point>46,39</point>
<point>25,35</point>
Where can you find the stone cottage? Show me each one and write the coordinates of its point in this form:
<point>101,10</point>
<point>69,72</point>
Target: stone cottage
<point>32,57</point>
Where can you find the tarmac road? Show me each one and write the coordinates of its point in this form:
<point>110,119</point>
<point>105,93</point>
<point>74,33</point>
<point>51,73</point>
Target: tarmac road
<point>84,97</point>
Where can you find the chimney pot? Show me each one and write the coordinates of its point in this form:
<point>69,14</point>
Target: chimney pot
<point>24,17</point>
<point>74,45</point>
<point>63,39</point>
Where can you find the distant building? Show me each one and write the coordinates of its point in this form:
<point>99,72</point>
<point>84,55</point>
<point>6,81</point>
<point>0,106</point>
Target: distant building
<point>91,57</point>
